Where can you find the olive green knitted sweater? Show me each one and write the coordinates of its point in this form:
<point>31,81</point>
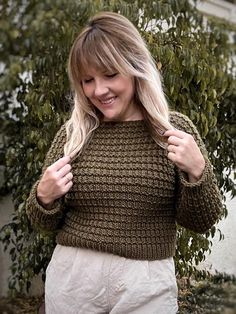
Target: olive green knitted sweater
<point>127,195</point>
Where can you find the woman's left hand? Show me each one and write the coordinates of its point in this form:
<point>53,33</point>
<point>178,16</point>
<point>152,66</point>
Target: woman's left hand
<point>185,153</point>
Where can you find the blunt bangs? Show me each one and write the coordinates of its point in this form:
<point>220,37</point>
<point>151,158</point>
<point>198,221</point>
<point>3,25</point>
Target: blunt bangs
<point>99,51</point>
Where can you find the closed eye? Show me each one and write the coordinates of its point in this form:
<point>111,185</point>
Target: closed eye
<point>111,75</point>
<point>88,80</point>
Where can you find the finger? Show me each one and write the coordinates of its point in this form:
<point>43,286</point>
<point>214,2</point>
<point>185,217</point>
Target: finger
<point>64,170</point>
<point>171,148</point>
<point>68,185</point>
<point>60,163</point>
<point>172,156</point>
<point>176,133</point>
<point>173,140</point>
<point>67,178</point>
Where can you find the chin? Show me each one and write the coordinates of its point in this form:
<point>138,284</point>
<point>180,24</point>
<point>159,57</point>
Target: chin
<point>110,117</point>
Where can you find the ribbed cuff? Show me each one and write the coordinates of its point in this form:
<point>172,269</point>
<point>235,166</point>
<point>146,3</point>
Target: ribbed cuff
<point>206,177</point>
<point>33,201</point>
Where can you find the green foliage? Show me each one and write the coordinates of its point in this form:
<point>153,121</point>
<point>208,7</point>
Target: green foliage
<point>193,56</point>
<point>216,294</point>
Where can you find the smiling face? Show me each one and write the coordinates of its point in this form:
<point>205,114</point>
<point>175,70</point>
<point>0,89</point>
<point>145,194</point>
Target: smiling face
<point>112,94</point>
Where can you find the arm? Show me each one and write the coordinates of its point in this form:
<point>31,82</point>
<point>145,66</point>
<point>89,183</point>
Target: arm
<point>198,201</point>
<point>43,212</point>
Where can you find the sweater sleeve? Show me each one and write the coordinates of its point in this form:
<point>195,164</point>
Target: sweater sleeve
<point>47,219</point>
<point>199,204</point>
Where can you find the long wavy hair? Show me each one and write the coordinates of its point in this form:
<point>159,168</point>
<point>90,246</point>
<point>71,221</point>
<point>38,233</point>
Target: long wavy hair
<point>111,42</point>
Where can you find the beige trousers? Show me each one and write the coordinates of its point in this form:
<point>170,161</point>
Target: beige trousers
<point>86,281</point>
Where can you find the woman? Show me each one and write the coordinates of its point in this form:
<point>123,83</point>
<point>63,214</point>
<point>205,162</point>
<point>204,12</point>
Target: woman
<point>118,176</point>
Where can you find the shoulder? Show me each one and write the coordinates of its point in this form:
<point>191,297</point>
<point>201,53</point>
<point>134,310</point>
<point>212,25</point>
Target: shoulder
<point>61,131</point>
<point>59,139</point>
<point>56,148</point>
<point>60,135</point>
<point>182,122</point>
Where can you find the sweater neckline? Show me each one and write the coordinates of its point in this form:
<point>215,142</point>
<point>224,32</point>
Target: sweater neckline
<point>123,123</point>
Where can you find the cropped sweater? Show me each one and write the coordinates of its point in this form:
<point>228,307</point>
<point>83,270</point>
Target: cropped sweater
<point>127,196</point>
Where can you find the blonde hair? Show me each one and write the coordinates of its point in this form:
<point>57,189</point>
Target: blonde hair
<point>111,42</point>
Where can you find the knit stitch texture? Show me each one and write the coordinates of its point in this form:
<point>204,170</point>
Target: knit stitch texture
<point>127,195</point>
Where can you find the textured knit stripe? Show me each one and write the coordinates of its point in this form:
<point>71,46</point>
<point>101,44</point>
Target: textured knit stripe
<point>127,195</point>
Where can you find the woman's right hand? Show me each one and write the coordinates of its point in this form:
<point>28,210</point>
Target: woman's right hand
<point>55,182</point>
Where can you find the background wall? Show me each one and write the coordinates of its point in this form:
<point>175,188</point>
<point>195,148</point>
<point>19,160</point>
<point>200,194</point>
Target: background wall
<point>219,8</point>
<point>223,255</point>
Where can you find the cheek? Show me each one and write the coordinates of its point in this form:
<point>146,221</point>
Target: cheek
<point>129,87</point>
<point>87,90</point>
<point>125,88</point>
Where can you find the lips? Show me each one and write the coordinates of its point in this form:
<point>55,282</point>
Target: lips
<point>107,101</point>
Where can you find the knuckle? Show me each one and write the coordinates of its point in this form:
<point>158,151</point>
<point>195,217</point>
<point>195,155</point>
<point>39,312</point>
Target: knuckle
<point>182,150</point>
<point>58,184</point>
<point>54,176</point>
<point>67,167</point>
<point>51,173</point>
<point>48,170</point>
<point>185,143</point>
<point>170,139</point>
<point>190,137</point>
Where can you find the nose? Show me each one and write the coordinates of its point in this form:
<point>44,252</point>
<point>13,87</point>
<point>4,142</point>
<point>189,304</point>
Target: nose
<point>101,89</point>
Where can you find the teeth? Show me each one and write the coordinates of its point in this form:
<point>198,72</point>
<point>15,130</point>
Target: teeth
<point>108,101</point>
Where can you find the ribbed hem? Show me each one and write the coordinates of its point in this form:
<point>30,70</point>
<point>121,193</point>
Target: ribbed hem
<point>145,251</point>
